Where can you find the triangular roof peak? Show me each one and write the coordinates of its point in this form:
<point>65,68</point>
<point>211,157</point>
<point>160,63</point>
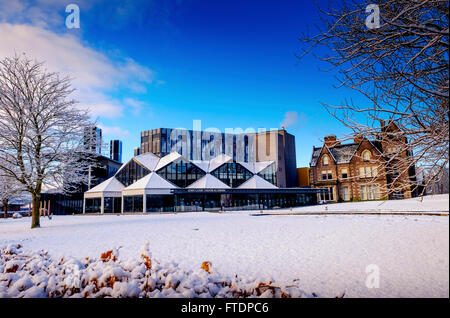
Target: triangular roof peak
<point>109,185</point>
<point>256,182</point>
<point>148,160</point>
<point>164,161</point>
<point>208,181</point>
<point>151,181</point>
<point>216,162</point>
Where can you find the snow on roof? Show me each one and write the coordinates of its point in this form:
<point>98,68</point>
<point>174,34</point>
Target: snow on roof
<point>110,185</point>
<point>250,166</point>
<point>344,153</point>
<point>256,182</point>
<point>208,182</point>
<point>255,167</point>
<point>151,181</point>
<point>204,165</point>
<point>216,162</point>
<point>261,165</point>
<point>164,161</point>
<point>148,160</point>
<point>315,155</point>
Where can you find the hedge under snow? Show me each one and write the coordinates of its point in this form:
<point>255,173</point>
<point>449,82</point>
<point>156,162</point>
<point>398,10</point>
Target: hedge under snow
<point>31,274</point>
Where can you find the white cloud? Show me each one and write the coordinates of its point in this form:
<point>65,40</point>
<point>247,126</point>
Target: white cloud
<point>95,75</point>
<point>136,105</point>
<point>113,131</point>
<point>290,118</point>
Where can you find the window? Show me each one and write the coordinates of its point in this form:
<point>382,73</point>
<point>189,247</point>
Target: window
<point>232,174</point>
<point>327,196</point>
<point>133,203</point>
<point>345,194</point>
<point>327,175</point>
<point>159,203</point>
<point>269,174</point>
<point>344,173</point>
<point>368,172</point>
<point>366,155</point>
<point>370,192</point>
<point>181,173</point>
<point>112,205</point>
<point>131,173</point>
<point>92,205</point>
<point>325,160</point>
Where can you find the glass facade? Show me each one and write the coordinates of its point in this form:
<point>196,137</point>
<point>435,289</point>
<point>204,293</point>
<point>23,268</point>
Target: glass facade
<point>159,203</point>
<point>131,173</point>
<point>92,205</point>
<point>269,173</point>
<point>181,173</point>
<point>112,205</point>
<point>198,145</point>
<point>232,174</point>
<point>133,203</point>
<point>189,202</point>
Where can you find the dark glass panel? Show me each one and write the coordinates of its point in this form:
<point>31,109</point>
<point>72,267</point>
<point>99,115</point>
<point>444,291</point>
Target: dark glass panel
<point>181,173</point>
<point>93,205</point>
<point>232,174</point>
<point>112,204</point>
<point>269,173</point>
<point>131,173</point>
<point>133,203</point>
<point>159,203</point>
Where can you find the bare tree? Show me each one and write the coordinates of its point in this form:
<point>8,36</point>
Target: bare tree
<point>41,130</point>
<point>9,190</point>
<point>402,67</point>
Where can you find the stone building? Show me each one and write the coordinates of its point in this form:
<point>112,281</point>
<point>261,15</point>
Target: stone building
<point>358,170</point>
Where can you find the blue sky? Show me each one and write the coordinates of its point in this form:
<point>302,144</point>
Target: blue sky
<point>147,64</point>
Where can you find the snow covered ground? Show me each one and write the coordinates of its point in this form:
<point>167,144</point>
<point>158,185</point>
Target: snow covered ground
<point>327,255</point>
<point>435,203</point>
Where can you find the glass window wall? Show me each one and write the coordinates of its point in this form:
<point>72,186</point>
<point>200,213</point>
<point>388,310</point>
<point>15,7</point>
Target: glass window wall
<point>133,203</point>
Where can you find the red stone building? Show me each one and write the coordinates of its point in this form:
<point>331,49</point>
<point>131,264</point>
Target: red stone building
<point>357,170</point>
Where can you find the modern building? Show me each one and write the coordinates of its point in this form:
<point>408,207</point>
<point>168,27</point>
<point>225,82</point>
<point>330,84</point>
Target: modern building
<point>358,170</point>
<point>115,150</point>
<point>72,203</point>
<point>273,145</point>
<point>102,169</point>
<point>93,139</point>
<point>149,183</point>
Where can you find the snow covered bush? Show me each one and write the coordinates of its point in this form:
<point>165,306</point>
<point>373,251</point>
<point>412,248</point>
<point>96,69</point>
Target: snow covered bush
<point>30,274</point>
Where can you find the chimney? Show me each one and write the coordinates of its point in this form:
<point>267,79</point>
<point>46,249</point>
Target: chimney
<point>331,141</point>
<point>358,138</point>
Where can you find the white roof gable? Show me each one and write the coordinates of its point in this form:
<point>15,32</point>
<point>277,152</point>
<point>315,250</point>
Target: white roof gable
<point>250,166</point>
<point>208,182</point>
<point>216,162</point>
<point>110,185</point>
<point>256,182</point>
<point>260,166</point>
<point>204,165</point>
<point>151,181</point>
<point>164,161</point>
<point>148,160</point>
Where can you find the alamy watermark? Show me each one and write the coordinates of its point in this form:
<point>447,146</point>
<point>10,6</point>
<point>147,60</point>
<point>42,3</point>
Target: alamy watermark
<point>373,19</point>
<point>73,19</point>
<point>373,277</point>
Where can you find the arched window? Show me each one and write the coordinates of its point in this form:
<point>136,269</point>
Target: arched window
<point>325,160</point>
<point>366,155</point>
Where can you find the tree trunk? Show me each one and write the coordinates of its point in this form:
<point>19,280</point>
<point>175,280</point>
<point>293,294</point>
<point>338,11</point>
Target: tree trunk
<point>5,207</point>
<point>35,212</point>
